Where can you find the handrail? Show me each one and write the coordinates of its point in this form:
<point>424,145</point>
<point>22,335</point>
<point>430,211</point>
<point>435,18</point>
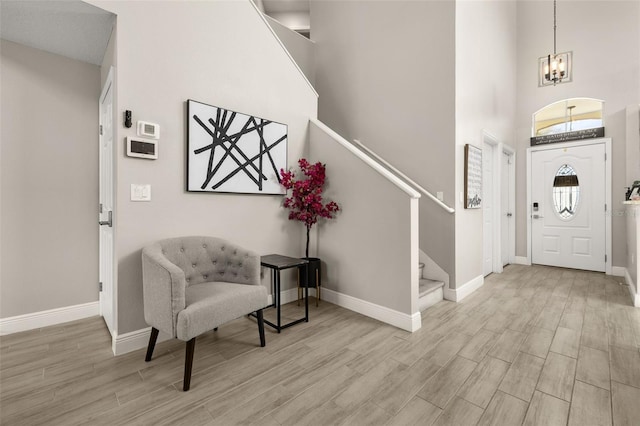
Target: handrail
<point>405,177</point>
<point>367,159</point>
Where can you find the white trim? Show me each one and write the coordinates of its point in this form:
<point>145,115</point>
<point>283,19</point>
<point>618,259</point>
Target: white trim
<point>607,187</point>
<point>397,319</point>
<point>50,317</point>
<point>367,159</point>
<point>521,260</point>
<point>129,342</point>
<point>139,339</point>
<point>491,142</point>
<point>618,271</point>
<point>457,294</point>
<point>295,64</point>
<point>110,84</point>
<point>507,150</point>
<point>633,291</point>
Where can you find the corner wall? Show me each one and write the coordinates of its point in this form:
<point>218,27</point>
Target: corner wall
<point>49,181</point>
<point>217,52</point>
<point>605,39</point>
<point>485,100</point>
<point>386,76</point>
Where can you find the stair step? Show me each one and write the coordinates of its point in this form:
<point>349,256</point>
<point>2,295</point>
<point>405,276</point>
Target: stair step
<point>428,286</point>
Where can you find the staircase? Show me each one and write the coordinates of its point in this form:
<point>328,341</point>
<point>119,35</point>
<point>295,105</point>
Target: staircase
<point>430,291</point>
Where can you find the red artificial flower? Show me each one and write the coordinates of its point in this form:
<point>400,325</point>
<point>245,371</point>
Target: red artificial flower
<point>305,203</point>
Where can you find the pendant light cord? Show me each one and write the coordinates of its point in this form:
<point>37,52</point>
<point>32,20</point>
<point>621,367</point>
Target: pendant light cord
<point>554,27</point>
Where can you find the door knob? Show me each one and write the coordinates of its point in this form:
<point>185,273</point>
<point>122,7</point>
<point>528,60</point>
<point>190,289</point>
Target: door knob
<point>109,220</point>
<point>509,215</point>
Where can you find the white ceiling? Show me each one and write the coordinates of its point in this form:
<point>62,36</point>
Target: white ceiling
<point>280,6</point>
<point>69,28</point>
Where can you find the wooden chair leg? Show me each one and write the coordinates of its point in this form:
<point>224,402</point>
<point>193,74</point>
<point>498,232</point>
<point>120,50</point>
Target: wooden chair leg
<point>188,363</point>
<point>261,327</point>
<point>152,344</point>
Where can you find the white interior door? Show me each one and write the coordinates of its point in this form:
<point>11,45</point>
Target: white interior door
<point>105,218</point>
<point>568,207</point>
<point>506,215</point>
<point>487,209</point>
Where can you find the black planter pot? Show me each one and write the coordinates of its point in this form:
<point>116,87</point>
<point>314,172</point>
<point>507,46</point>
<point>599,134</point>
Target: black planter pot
<point>313,271</point>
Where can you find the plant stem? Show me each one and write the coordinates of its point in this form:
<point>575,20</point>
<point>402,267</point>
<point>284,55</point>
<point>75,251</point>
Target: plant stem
<point>307,249</point>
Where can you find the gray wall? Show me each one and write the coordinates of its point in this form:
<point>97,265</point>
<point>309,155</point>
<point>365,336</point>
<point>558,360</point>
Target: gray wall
<point>367,249</point>
<point>222,54</point>
<point>485,100</point>
<point>385,73</point>
<point>301,48</point>
<point>595,31</point>
<point>49,181</point>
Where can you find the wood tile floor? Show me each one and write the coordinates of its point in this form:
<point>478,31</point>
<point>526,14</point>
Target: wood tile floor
<point>534,346</point>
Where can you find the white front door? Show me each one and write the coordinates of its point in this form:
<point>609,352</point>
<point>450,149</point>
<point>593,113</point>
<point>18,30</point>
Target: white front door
<point>105,215</point>
<point>487,209</point>
<point>568,207</point>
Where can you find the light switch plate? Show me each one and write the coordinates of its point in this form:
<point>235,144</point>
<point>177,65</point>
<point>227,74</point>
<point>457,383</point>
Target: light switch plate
<point>440,195</point>
<point>140,192</point>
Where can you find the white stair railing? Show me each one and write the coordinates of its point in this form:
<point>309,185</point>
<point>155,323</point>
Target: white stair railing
<point>406,178</point>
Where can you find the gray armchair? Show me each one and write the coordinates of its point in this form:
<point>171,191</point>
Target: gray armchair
<point>195,284</point>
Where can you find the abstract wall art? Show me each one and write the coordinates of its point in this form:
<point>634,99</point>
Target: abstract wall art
<point>233,152</point>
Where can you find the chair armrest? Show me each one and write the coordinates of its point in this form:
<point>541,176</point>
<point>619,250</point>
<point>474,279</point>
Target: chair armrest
<point>254,268</point>
<point>163,285</point>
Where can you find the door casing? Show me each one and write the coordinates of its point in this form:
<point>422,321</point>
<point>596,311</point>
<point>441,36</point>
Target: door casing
<point>107,260</point>
<point>498,174</point>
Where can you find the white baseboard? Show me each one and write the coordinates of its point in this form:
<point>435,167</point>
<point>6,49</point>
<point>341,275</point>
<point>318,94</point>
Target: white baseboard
<point>129,342</point>
<point>291,295</point>
<point>633,289</point>
<point>397,319</point>
<point>521,260</point>
<point>618,271</point>
<point>457,294</point>
<point>139,339</point>
<point>46,318</point>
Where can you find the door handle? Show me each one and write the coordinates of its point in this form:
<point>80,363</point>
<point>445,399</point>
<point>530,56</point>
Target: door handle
<point>109,220</point>
<point>509,214</point>
<point>537,216</point>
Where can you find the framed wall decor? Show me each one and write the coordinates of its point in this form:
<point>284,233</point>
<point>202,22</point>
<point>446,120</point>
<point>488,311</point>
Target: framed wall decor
<point>472,177</point>
<point>233,152</point>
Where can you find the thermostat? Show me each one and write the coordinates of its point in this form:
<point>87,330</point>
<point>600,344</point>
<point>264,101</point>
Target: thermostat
<point>149,130</point>
<point>142,148</point>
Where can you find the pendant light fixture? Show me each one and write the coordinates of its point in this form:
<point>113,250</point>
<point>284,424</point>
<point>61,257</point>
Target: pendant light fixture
<point>554,68</point>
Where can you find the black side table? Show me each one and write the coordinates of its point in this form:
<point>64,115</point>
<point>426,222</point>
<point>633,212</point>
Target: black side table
<point>277,263</point>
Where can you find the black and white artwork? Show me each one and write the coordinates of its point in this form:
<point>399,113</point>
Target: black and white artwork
<point>472,177</point>
<point>233,152</point>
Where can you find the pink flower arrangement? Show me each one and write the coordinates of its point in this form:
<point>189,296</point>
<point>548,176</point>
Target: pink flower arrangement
<point>305,203</point>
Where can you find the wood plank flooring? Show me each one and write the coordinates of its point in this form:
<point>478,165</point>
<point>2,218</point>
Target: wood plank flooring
<point>533,346</point>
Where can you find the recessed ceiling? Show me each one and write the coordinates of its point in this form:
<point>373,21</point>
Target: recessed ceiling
<point>73,29</point>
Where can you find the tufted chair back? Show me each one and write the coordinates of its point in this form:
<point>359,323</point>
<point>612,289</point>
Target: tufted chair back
<point>205,259</point>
